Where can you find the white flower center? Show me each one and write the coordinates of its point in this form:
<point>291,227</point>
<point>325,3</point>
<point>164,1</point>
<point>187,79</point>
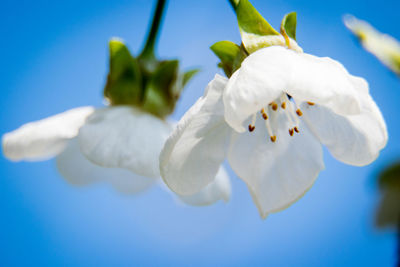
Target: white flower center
<point>292,112</point>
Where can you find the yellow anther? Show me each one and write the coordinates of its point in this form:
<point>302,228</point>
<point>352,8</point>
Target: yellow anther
<point>274,106</point>
<point>265,116</point>
<point>311,103</point>
<point>298,112</point>
<point>291,132</point>
<point>283,105</point>
<point>273,138</point>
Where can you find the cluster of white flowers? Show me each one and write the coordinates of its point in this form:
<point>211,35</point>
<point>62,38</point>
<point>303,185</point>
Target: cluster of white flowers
<point>269,120</point>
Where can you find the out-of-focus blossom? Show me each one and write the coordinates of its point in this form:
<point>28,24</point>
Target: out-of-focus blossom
<point>119,143</point>
<point>123,144</point>
<point>383,46</point>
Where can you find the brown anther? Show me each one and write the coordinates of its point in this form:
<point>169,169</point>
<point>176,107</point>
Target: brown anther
<point>311,103</point>
<point>298,112</point>
<point>273,138</point>
<point>251,128</point>
<point>274,106</point>
<point>262,111</point>
<point>283,105</point>
<point>265,116</point>
<point>296,130</point>
<point>291,132</point>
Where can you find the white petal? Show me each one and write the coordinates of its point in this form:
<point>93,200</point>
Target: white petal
<point>220,188</point>
<point>352,139</point>
<point>247,91</point>
<point>269,72</point>
<point>45,138</point>
<point>79,171</point>
<point>277,174</point>
<point>193,153</point>
<point>124,137</point>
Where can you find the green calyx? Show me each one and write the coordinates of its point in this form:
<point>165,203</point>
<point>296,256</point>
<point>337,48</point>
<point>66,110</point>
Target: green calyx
<point>144,82</point>
<point>256,33</point>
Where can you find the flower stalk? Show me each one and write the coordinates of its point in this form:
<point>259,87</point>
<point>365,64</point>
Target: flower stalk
<point>234,4</point>
<point>148,50</point>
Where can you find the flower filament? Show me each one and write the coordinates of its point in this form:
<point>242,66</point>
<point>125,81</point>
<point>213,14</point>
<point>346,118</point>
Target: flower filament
<point>289,107</point>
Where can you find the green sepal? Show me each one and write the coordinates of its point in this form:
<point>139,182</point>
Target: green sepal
<point>250,21</point>
<point>161,94</point>
<point>255,31</point>
<point>230,54</point>
<point>288,25</point>
<point>227,52</point>
<point>187,76</point>
<point>239,58</point>
<point>390,177</point>
<point>123,85</point>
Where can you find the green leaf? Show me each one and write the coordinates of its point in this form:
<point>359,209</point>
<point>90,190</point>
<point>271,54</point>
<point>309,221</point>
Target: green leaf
<point>288,25</point>
<point>227,52</point>
<point>388,211</point>
<point>161,96</point>
<point>123,85</point>
<point>188,75</point>
<point>390,177</point>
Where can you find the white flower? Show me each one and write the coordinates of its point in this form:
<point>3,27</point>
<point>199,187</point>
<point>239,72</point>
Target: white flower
<point>383,46</point>
<point>120,145</point>
<point>291,102</point>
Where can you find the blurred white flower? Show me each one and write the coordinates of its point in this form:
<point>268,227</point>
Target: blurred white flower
<point>291,103</point>
<point>119,144</point>
<point>383,46</point>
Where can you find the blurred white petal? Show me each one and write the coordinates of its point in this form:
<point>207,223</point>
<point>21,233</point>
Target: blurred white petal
<point>383,46</point>
<point>45,138</point>
<point>79,171</point>
<point>124,137</point>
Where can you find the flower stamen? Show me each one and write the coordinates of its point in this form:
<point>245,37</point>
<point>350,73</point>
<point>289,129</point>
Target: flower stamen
<point>293,120</point>
<point>269,130</point>
<point>252,126</point>
<point>264,114</point>
<point>310,103</point>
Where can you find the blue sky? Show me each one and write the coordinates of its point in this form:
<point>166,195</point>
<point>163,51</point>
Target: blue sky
<point>55,58</point>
